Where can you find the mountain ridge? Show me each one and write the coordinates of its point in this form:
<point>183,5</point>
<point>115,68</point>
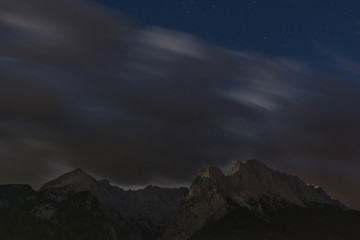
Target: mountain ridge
<point>148,209</point>
<point>249,199</point>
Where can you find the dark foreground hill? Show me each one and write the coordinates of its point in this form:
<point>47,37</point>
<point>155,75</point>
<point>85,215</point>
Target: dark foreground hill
<point>250,202</point>
<point>316,222</point>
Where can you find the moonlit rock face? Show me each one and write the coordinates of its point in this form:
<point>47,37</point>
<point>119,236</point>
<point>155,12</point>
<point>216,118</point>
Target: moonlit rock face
<point>211,172</point>
<point>213,195</point>
<point>237,167</point>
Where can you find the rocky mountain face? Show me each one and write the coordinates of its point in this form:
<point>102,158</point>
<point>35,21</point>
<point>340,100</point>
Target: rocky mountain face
<point>118,214</point>
<point>252,187</point>
<point>250,202</point>
<point>149,209</point>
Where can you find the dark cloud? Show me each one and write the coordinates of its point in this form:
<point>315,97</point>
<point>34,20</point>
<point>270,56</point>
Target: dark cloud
<point>81,87</point>
<point>60,32</point>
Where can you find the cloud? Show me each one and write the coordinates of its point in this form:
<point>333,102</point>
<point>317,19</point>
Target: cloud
<point>59,32</point>
<point>145,105</point>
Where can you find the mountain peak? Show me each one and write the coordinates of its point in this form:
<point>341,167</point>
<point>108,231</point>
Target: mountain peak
<point>253,164</point>
<point>76,173</point>
<point>251,186</point>
<point>210,172</point>
<point>253,180</point>
<point>257,163</point>
<point>76,178</point>
<point>78,170</point>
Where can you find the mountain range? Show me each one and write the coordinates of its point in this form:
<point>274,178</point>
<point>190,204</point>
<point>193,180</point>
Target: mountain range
<point>251,201</point>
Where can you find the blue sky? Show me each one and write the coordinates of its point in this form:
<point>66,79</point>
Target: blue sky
<point>300,29</point>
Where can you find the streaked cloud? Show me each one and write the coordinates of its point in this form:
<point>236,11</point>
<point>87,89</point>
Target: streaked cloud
<point>146,105</point>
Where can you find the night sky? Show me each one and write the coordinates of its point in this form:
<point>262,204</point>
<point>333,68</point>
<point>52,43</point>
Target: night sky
<point>148,92</point>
